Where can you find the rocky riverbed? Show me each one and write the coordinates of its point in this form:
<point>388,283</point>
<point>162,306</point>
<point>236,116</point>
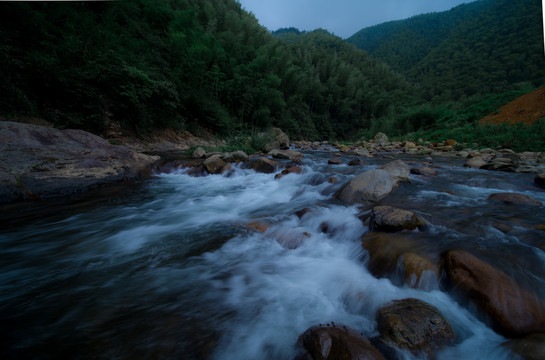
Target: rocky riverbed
<point>379,250</point>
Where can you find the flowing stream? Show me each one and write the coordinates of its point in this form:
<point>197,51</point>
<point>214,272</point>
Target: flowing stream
<point>177,269</point>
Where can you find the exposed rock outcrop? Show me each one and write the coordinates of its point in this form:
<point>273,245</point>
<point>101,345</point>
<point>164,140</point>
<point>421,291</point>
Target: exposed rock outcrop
<point>39,162</point>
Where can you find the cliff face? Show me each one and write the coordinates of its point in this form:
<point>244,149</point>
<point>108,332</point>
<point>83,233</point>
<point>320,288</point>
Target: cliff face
<point>37,162</point>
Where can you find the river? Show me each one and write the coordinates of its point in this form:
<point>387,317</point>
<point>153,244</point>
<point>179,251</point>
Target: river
<point>172,268</point>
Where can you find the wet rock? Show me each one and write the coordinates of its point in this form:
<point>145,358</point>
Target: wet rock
<point>450,142</point>
<point>292,239</point>
<point>367,188</point>
<point>278,140</point>
<point>356,162</point>
<point>391,219</point>
<point>531,347</point>
<point>335,342</point>
<point>423,170</point>
<point>475,163</point>
<point>302,212</point>
<point>335,161</point>
<point>398,169</point>
<point>285,154</point>
<point>199,153</point>
<point>514,199</point>
<point>500,164</point>
<point>539,180</point>
<point>39,162</point>
<point>235,157</point>
<point>333,180</point>
<point>258,226</point>
<point>381,139</point>
<point>263,165</point>
<point>413,325</point>
<point>362,152</point>
<point>214,164</point>
<point>514,310</point>
<point>420,272</point>
<point>290,170</point>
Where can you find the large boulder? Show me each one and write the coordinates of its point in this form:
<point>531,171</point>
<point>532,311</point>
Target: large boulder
<point>39,162</point>
<point>235,157</point>
<point>381,139</point>
<point>514,310</point>
<point>531,347</point>
<point>367,188</point>
<point>539,180</point>
<point>263,165</point>
<point>392,219</point>
<point>277,139</point>
<point>411,324</point>
<point>285,154</point>
<point>199,153</point>
<point>336,342</point>
<point>213,164</point>
<point>398,169</point>
<point>515,199</point>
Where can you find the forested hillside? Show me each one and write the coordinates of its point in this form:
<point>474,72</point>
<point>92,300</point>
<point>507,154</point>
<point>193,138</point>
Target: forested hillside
<point>185,64</point>
<point>483,47</point>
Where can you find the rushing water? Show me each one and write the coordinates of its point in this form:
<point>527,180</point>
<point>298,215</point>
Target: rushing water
<point>172,269</point>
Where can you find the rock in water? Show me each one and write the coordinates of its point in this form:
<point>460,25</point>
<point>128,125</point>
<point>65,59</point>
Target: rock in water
<point>539,180</point>
<point>199,153</point>
<point>391,219</point>
<point>39,162</point>
<point>531,347</point>
<point>213,164</point>
<point>515,311</point>
<point>286,154</point>
<point>414,325</point>
<point>516,199</point>
<point>367,188</point>
<point>381,139</point>
<point>475,163</point>
<point>398,169</point>
<point>336,342</point>
<point>263,165</point>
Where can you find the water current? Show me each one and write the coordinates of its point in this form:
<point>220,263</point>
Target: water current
<point>172,269</point>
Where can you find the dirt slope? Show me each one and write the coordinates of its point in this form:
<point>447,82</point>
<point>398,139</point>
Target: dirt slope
<point>526,109</point>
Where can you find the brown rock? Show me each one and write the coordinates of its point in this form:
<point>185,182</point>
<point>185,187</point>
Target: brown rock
<point>356,162</point>
<point>423,170</point>
<point>450,142</point>
<point>285,154</point>
<point>391,219</point>
<point>199,153</point>
<point>303,212</point>
<point>214,164</point>
<point>336,342</point>
<point>475,163</point>
<point>385,250</point>
<point>259,226</point>
<point>398,169</point>
<point>333,180</point>
<point>531,347</point>
<point>515,199</point>
<point>515,310</point>
<point>414,325</point>
<point>419,270</point>
<point>263,165</point>
<point>235,157</point>
<point>290,170</point>
<point>335,161</point>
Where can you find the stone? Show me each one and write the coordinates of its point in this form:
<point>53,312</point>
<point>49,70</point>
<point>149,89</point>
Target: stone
<point>420,271</point>
<point>450,142</point>
<point>475,162</point>
<point>414,325</point>
<point>398,169</point>
<point>38,162</point>
<point>285,154</point>
<point>199,153</point>
<point>277,140</point>
<point>515,199</point>
<point>335,161</point>
<point>213,164</point>
<point>539,180</point>
<point>423,170</point>
<point>356,162</point>
<point>392,219</point>
<point>362,152</point>
<point>531,347</point>
<point>263,165</point>
<point>235,157</point>
<point>289,170</point>
<point>258,226</point>
<point>513,309</point>
<point>367,188</point>
<point>302,212</point>
<point>335,342</point>
<point>381,139</point>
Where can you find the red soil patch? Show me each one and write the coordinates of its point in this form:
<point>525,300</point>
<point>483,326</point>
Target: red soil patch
<point>526,109</point>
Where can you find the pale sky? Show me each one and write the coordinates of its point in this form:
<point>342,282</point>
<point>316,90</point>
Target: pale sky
<point>341,17</point>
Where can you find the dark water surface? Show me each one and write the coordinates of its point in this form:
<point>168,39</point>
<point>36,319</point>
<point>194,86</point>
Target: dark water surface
<point>171,269</point>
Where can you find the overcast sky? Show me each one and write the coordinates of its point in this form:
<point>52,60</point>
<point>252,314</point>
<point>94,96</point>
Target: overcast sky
<point>341,17</point>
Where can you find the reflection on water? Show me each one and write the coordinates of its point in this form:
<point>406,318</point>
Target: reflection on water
<point>173,271</point>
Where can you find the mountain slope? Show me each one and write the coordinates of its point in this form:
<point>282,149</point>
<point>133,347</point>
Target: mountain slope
<point>487,46</point>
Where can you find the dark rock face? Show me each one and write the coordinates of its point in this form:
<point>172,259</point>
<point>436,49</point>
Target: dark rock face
<point>391,219</point>
<point>531,347</point>
<point>516,199</point>
<point>539,180</point>
<point>39,162</point>
<point>336,342</point>
<point>514,310</point>
<point>413,325</point>
<point>263,165</point>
